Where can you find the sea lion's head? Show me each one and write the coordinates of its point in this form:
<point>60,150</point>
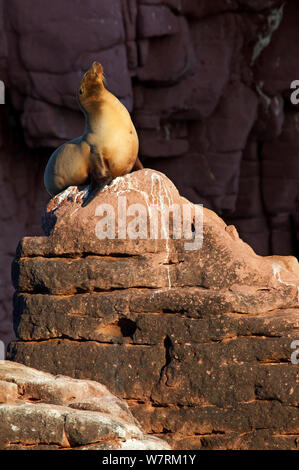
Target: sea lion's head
<point>91,86</point>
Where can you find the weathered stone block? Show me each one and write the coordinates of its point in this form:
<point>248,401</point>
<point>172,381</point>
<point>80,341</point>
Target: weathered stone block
<point>26,423</point>
<point>176,66</point>
<point>87,427</point>
<point>156,21</point>
<point>30,419</point>
<point>198,342</point>
<point>8,392</point>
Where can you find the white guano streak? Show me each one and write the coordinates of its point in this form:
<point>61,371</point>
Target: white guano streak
<point>276,273</point>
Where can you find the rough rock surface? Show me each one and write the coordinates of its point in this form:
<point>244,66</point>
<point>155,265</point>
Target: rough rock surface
<point>208,84</point>
<point>42,411</point>
<point>197,341</point>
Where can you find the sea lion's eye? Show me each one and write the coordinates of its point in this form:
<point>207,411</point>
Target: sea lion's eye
<point>81,91</point>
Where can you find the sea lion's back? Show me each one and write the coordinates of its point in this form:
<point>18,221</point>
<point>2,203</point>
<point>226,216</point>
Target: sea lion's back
<point>67,166</point>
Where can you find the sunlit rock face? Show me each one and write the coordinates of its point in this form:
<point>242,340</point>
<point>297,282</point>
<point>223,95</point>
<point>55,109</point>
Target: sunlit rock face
<point>196,332</point>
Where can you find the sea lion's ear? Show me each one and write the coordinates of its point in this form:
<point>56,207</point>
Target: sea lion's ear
<point>97,68</point>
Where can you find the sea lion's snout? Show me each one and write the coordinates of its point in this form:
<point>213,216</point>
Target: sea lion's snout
<point>91,85</point>
<point>94,75</point>
<point>97,69</point>
<point>107,149</point>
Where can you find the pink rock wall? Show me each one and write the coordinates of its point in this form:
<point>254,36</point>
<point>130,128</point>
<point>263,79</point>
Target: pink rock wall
<point>208,87</point>
<point>22,203</point>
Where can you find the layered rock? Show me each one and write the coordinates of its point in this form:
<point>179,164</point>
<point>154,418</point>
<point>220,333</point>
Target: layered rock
<point>208,84</point>
<point>46,412</point>
<point>195,334</point>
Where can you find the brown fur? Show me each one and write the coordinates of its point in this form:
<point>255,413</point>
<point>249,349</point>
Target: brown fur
<point>107,149</point>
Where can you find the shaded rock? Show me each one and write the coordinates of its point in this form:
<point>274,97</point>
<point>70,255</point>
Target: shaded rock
<point>129,13</point>
<point>25,423</point>
<point>176,66</point>
<point>160,144</point>
<point>38,412</point>
<point>257,5</point>
<point>197,10</point>
<point>156,21</point>
<point>69,124</point>
<point>270,117</point>
<point>87,427</point>
<point>275,67</point>
<point>228,129</point>
<point>277,172</point>
<point>246,41</point>
<point>197,95</point>
<point>36,69</point>
<point>8,392</point>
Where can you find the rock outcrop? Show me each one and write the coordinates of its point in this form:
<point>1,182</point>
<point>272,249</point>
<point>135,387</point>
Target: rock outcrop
<point>195,337</point>
<point>46,412</point>
<point>208,84</point>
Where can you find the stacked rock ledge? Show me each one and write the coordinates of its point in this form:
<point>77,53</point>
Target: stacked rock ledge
<point>41,411</point>
<point>197,341</point>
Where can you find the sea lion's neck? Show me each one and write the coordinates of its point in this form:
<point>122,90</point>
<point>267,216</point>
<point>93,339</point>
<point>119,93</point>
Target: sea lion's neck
<point>92,118</point>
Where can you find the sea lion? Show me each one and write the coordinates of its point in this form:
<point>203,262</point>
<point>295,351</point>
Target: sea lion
<point>107,149</point>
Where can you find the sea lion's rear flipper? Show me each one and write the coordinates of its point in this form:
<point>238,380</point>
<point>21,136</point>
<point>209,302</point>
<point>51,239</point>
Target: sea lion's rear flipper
<point>137,165</point>
<point>100,176</point>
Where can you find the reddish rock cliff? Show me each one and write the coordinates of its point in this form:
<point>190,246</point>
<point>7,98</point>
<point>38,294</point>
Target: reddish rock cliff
<point>208,86</point>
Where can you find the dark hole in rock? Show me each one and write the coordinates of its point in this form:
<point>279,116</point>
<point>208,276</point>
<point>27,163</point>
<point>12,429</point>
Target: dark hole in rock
<point>168,347</point>
<point>128,327</point>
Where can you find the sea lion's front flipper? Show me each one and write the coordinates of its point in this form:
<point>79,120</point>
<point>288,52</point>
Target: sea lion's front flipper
<point>100,176</point>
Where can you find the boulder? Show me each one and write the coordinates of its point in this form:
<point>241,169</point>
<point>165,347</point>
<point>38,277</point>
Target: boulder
<point>212,49</point>
<point>194,331</point>
<point>42,411</point>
